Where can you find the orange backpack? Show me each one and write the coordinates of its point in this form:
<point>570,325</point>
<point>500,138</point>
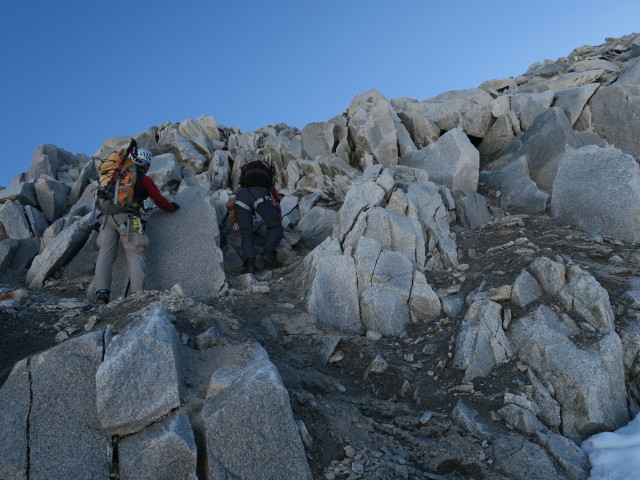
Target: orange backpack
<point>117,176</point>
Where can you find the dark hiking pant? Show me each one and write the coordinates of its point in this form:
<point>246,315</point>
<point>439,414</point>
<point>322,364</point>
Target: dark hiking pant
<point>257,200</point>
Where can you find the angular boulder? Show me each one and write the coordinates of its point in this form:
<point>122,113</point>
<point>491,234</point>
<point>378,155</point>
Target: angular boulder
<point>598,190</point>
<point>250,429</point>
<point>137,383</point>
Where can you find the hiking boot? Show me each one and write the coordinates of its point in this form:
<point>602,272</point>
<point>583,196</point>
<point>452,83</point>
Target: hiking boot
<point>102,297</point>
<point>270,258</point>
<point>249,265</point>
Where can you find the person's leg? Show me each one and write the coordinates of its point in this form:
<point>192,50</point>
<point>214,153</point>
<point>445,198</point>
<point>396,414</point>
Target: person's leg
<point>135,251</point>
<point>244,218</point>
<point>275,231</point>
<point>107,242</point>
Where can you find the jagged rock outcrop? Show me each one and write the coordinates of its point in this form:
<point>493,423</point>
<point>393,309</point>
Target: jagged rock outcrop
<point>382,194</point>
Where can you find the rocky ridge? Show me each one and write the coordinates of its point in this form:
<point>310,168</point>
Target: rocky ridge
<point>459,297</point>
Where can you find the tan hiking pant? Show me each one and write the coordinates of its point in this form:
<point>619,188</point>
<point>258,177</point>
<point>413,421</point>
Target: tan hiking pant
<point>134,244</point>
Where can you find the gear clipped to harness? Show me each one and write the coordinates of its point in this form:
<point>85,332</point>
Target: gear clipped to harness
<point>117,176</point>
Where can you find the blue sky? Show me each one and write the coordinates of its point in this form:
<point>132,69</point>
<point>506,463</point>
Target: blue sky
<point>75,73</point>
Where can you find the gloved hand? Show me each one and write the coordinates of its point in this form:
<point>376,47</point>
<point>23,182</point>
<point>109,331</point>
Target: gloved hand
<point>175,205</point>
<point>96,227</point>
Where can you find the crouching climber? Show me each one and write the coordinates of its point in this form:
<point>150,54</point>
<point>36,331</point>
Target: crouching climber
<point>123,187</point>
<point>257,194</point>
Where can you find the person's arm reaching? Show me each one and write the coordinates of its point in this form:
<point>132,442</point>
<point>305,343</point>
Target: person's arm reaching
<point>156,196</point>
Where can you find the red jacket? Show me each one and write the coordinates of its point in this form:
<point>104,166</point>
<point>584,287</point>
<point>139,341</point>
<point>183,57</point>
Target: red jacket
<point>150,190</point>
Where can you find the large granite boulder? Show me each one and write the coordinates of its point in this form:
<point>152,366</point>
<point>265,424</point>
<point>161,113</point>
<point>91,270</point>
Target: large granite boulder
<point>45,398</point>
<point>543,144</point>
<point>137,383</point>
<point>247,416</point>
<point>59,251</point>
<point>13,220</point>
<point>163,451</point>
<point>47,160</point>
<point>588,379</point>
<point>615,115</point>
<point>372,127</point>
<point>331,294</point>
<point>481,343</point>
<point>53,197</point>
<point>598,190</point>
<point>452,160</point>
<point>198,268</point>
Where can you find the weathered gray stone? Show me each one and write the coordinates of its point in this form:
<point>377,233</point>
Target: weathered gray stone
<point>521,419</point>
<point>163,451</point>
<point>593,64</point>
<point>544,144</point>
<point>420,127</point>
<point>63,383</point>
<point>137,383</point>
<point>360,197</point>
<point>193,132</point>
<point>23,193</point>
<point>499,136</point>
<point>183,149</point>
<point>8,249</point>
<point>145,139</point>
<point>528,106</point>
<point>13,221</point>
<point>517,188</point>
<point>250,429</point>
<point>630,74</point>
<point>426,205</point>
<point>598,190</point>
<point>15,398</point>
<point>521,459</point>
<point>586,298</point>
<point>372,128</point>
<point>219,169</point>
<point>589,381</point>
<point>316,225</point>
<point>333,166</point>
<point>468,109</point>
<point>384,310</point>
<point>317,139</point>
<point>395,272</point>
<point>615,116</point>
<point>472,210</point>
<point>549,274</point>
<point>208,338</point>
<point>366,254</point>
<point>27,250</point>
<point>47,160</point>
<point>37,220</point>
<point>481,343</point>
<point>165,171</point>
<point>423,302</point>
<point>563,82</point>
<point>330,292</point>
<point>307,202</point>
<point>525,289</point>
<point>55,255</point>
<point>53,197</point>
<point>87,175</point>
<point>572,101</point>
<point>567,454</point>
<point>549,409</point>
<point>452,160</point>
<point>84,262</point>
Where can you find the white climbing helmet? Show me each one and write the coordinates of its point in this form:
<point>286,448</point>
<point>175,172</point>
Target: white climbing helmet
<point>143,159</point>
